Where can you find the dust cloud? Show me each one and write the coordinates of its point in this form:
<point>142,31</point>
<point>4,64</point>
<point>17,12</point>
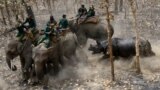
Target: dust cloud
<point>3,84</point>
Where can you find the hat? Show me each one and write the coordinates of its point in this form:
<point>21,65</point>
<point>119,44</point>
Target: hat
<point>64,15</point>
<point>51,17</point>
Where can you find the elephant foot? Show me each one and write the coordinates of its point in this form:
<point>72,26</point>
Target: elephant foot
<point>23,83</point>
<point>105,56</point>
<point>34,83</point>
<point>45,88</point>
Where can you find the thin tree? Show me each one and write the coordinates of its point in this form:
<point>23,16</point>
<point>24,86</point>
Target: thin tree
<point>15,3</point>
<point>22,12</point>
<point>116,6</point>
<point>3,17</point>
<point>110,40</point>
<point>134,11</point>
<point>49,6</point>
<point>121,6</point>
<point>8,12</point>
<point>35,1</point>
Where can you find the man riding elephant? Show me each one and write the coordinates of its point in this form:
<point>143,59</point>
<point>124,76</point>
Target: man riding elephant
<point>31,24</point>
<point>46,38</point>
<point>82,11</point>
<point>91,12</point>
<point>63,24</point>
<point>21,31</point>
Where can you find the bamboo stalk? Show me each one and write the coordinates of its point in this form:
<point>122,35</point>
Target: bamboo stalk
<point>3,17</point>
<point>116,6</point>
<point>110,41</point>
<point>8,12</point>
<point>137,62</point>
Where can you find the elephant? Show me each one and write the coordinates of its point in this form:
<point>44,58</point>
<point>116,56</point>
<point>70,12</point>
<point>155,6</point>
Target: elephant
<point>24,51</point>
<point>93,31</point>
<point>124,47</point>
<point>55,55</point>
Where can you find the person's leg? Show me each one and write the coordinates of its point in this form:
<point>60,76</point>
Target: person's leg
<point>41,39</point>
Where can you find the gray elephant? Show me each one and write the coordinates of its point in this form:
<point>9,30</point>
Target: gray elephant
<point>54,56</point>
<point>24,51</point>
<point>94,31</point>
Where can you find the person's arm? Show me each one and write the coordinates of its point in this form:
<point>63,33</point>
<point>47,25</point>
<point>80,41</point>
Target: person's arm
<point>55,22</point>
<point>25,21</point>
<point>67,22</point>
<point>80,11</point>
<point>60,23</point>
<point>47,30</point>
<point>85,11</point>
<point>48,23</point>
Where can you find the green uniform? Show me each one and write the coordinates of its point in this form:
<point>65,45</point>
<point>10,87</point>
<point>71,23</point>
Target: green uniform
<point>46,37</point>
<point>63,23</point>
<point>51,22</point>
<point>21,33</point>
<point>91,13</point>
<point>32,24</point>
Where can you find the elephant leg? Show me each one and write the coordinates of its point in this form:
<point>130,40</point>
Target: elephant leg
<point>39,69</point>
<point>33,78</point>
<point>45,82</point>
<point>28,66</point>
<point>82,39</point>
<point>24,75</point>
<point>56,68</point>
<point>60,60</point>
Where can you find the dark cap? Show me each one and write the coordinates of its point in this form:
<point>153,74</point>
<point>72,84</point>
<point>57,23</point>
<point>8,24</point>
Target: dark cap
<point>64,15</point>
<point>82,5</point>
<point>29,16</point>
<point>51,17</point>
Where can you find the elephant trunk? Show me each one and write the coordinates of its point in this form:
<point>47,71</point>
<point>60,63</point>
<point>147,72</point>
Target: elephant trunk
<point>12,67</point>
<point>28,64</point>
<point>39,68</point>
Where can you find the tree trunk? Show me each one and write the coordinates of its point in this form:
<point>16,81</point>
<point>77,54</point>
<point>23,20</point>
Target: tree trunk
<point>15,9</point>
<point>3,17</point>
<point>137,62</point>
<point>116,6</point>
<point>121,6</point>
<point>110,41</point>
<point>8,12</point>
<point>22,13</point>
<point>66,7</point>
<point>53,4</point>
<point>49,6</point>
<point>43,3</point>
<point>35,1</point>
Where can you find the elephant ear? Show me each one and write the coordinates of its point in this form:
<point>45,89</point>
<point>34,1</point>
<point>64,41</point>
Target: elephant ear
<point>20,47</point>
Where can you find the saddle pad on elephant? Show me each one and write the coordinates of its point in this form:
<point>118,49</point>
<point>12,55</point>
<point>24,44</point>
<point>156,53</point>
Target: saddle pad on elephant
<point>94,19</point>
<point>64,31</point>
